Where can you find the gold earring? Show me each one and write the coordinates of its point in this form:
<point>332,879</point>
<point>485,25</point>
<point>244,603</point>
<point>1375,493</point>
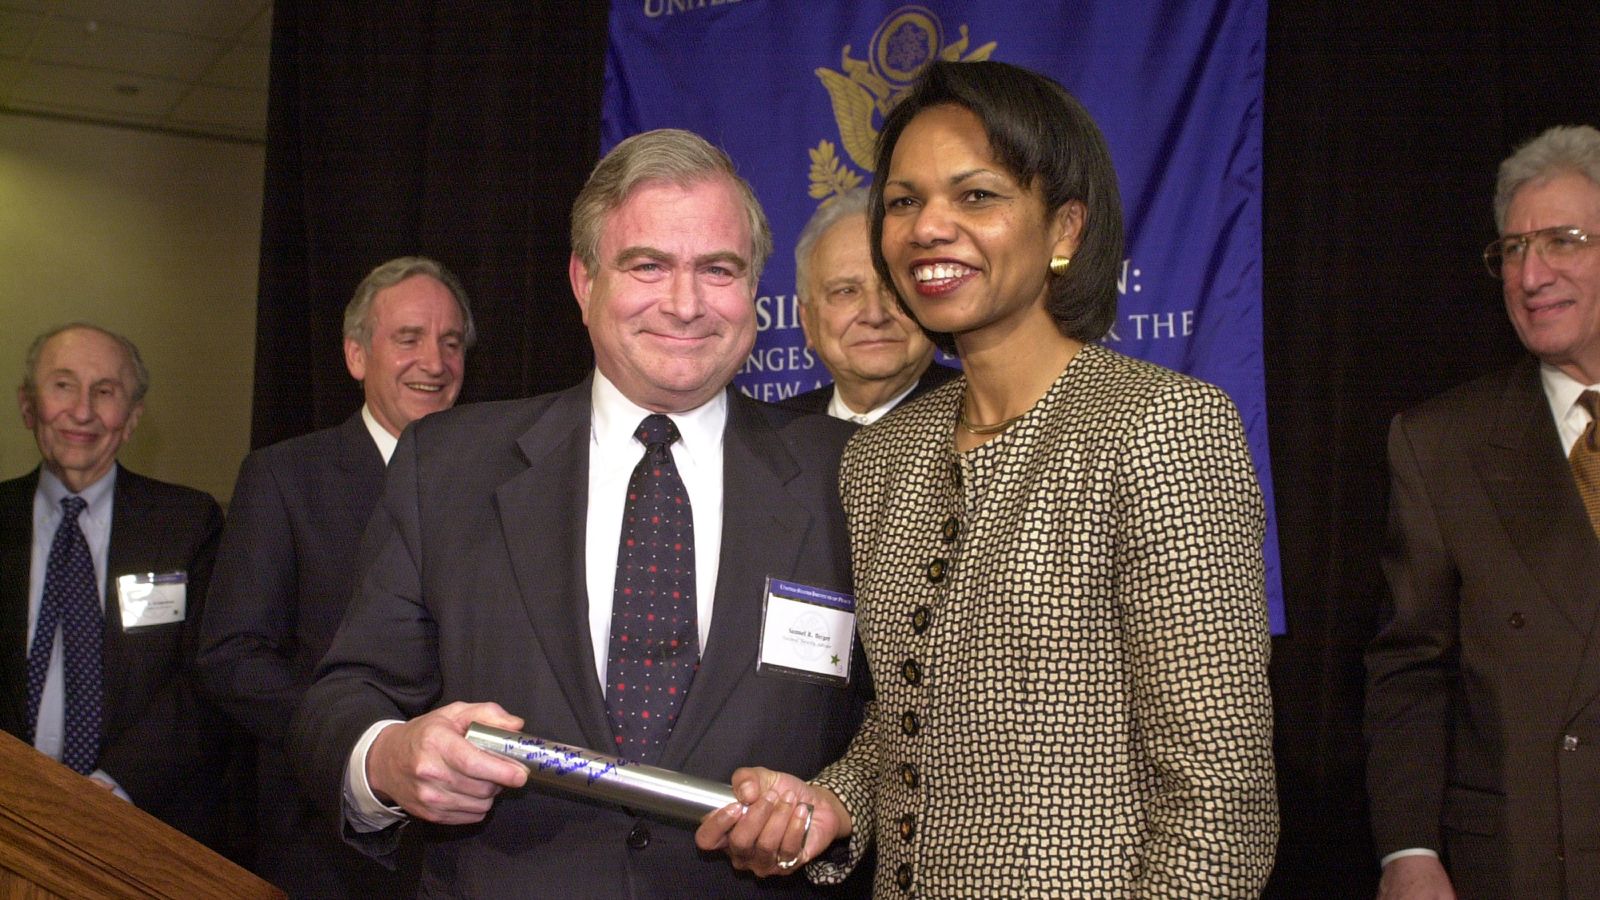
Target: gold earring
<point>1058,265</point>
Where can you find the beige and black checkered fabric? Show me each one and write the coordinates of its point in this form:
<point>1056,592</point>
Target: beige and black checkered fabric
<point>1067,633</point>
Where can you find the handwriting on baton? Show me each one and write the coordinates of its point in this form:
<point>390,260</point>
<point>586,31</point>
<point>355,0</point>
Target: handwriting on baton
<point>540,756</point>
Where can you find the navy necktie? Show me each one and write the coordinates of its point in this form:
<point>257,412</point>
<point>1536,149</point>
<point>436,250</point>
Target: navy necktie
<point>71,601</point>
<point>654,641</point>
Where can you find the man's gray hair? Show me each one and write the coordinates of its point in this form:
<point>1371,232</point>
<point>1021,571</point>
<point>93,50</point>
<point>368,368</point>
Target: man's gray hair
<point>1559,150</point>
<point>358,313</point>
<point>672,155</point>
<point>30,362</point>
<point>850,203</point>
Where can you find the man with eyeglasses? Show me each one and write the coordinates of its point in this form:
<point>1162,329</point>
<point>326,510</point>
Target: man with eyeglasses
<point>1483,695</point>
<point>878,356</point>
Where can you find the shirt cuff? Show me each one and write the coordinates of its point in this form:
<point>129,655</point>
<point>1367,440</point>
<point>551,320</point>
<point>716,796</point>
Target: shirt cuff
<point>363,811</point>
<point>104,777</point>
<point>1410,851</point>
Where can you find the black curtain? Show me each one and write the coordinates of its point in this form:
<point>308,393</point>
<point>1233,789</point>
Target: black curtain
<point>463,130</point>
<point>457,130</point>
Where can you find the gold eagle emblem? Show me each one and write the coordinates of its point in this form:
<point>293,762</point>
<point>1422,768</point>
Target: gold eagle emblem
<point>864,90</point>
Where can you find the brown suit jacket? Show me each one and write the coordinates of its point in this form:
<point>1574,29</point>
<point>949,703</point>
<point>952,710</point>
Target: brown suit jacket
<point>1482,715</point>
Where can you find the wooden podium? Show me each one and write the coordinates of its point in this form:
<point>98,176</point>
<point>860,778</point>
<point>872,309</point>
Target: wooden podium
<point>63,836</point>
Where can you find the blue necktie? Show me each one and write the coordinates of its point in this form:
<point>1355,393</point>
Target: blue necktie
<point>654,651</point>
<point>71,601</point>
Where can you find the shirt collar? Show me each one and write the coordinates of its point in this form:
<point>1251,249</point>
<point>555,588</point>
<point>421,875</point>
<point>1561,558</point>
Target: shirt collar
<point>1561,388</point>
<point>386,442</point>
<point>97,495</point>
<point>841,410</point>
<point>615,418</point>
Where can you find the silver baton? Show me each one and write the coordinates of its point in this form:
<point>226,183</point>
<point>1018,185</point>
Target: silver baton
<point>642,788</point>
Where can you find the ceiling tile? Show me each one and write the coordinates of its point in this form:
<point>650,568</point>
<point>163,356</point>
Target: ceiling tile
<point>215,19</point>
<point>242,67</point>
<point>16,31</point>
<point>121,49</point>
<point>91,91</point>
<point>259,34</point>
<point>243,113</point>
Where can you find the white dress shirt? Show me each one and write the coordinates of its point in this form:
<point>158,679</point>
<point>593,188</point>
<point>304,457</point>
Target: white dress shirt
<point>613,453</point>
<point>841,410</point>
<point>95,521</point>
<point>386,442</point>
<point>1562,391</point>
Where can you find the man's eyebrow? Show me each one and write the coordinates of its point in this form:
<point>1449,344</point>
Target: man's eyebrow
<point>723,256</point>
<point>627,253</point>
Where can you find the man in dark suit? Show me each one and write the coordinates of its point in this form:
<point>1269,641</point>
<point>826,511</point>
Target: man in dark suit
<point>878,356</point>
<point>1483,701</point>
<point>501,579</point>
<point>286,567</point>
<point>98,653</point>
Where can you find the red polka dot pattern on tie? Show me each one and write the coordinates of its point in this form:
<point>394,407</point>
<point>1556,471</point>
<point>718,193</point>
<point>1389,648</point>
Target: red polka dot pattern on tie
<point>654,648</point>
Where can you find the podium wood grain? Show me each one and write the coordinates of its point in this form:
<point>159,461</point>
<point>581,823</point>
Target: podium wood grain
<point>61,835</point>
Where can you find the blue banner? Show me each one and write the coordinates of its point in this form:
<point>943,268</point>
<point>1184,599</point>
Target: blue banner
<point>795,90</point>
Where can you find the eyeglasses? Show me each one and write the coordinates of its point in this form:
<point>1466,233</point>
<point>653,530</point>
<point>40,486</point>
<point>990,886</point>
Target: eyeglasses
<point>1556,246</point>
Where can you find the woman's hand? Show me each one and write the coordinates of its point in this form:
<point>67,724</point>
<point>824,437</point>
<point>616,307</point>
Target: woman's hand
<point>779,824</point>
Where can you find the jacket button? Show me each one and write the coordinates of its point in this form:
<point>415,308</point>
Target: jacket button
<point>921,619</point>
<point>911,670</point>
<point>908,827</point>
<point>639,837</point>
<point>909,723</point>
<point>952,528</point>
<point>902,877</point>
<point>936,570</point>
<point>908,775</point>
<point>1515,620</point>
<point>1570,742</point>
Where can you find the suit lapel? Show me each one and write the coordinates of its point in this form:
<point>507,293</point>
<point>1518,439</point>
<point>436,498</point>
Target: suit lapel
<point>1530,484</point>
<point>762,530</point>
<point>361,470</point>
<point>542,519</point>
<point>16,562</point>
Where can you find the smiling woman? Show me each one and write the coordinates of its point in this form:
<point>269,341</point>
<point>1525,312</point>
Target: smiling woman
<point>1045,576</point>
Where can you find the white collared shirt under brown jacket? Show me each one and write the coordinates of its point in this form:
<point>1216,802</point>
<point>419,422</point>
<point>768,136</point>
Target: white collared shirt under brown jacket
<point>1067,632</point>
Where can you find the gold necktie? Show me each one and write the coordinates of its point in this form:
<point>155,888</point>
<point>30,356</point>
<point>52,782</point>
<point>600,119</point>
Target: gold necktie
<point>1585,459</point>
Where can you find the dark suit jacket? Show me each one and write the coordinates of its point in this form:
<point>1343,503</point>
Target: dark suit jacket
<point>165,746</point>
<point>285,572</point>
<point>473,588</point>
<point>1483,701</point>
<point>817,401</point>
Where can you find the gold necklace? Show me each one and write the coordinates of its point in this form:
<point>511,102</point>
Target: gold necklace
<point>966,425</point>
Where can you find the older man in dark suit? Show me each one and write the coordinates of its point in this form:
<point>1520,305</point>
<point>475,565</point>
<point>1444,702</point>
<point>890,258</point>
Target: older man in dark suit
<point>103,574</point>
<point>591,566</point>
<point>286,567</point>
<point>877,354</point>
<point>1483,702</point>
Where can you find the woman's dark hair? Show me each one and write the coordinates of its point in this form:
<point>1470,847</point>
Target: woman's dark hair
<point>1045,138</point>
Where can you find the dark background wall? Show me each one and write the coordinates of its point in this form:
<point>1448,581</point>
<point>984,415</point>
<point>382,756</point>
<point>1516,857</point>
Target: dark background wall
<point>463,130</point>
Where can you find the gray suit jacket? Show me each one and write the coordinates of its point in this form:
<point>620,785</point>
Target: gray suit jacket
<point>472,588</point>
<point>285,572</point>
<point>1483,699</point>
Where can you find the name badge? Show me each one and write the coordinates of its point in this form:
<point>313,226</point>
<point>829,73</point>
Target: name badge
<point>807,632</point>
<point>152,598</point>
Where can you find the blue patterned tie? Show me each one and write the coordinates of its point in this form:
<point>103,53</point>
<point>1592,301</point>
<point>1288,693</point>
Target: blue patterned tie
<point>654,641</point>
<point>71,600</point>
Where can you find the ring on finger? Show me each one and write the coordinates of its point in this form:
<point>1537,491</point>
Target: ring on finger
<point>805,834</point>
